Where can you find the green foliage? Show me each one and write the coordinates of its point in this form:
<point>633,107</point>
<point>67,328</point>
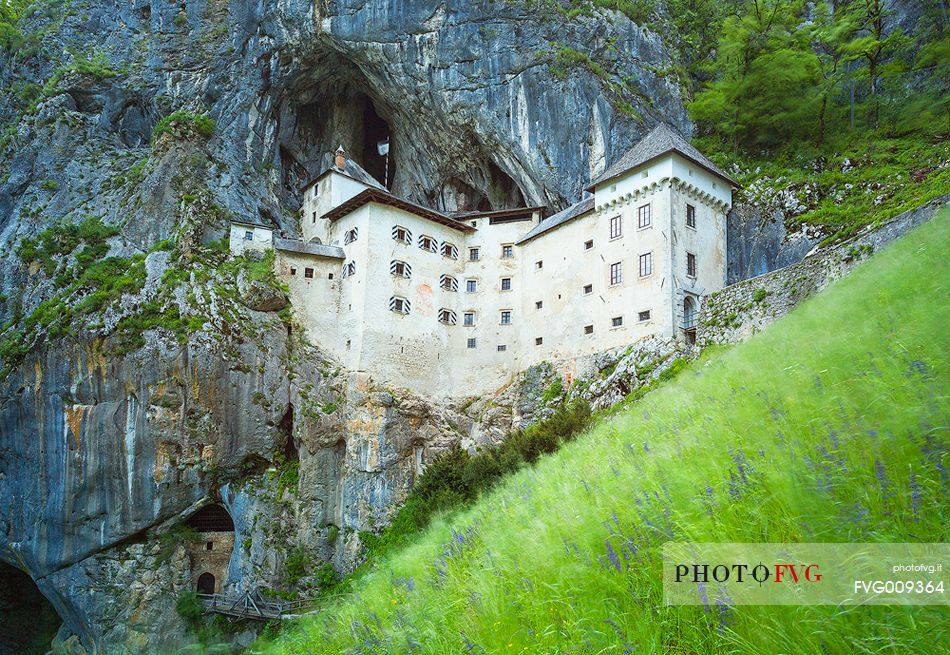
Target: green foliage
<point>169,540</point>
<point>52,245</point>
<point>184,124</point>
<point>842,441</point>
<point>298,564</point>
<point>759,295</point>
<point>190,608</point>
<point>555,390</point>
<point>333,533</point>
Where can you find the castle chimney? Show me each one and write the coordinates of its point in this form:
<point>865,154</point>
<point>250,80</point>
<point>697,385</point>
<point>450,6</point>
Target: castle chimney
<point>340,159</point>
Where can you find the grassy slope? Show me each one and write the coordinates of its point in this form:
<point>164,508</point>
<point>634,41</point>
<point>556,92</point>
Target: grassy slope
<point>830,426</point>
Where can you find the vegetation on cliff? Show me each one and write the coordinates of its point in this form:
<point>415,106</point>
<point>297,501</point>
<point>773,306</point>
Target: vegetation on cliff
<point>838,442</point>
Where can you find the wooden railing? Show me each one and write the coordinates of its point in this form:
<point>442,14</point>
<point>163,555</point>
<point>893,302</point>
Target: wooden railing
<point>253,605</point>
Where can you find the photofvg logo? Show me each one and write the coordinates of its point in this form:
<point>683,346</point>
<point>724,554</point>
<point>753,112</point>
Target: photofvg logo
<point>805,574</point>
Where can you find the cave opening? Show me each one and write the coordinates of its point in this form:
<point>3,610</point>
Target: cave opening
<point>286,428</point>
<point>28,622</point>
<point>377,137</point>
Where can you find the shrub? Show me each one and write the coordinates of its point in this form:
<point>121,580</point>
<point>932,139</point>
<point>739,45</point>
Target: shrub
<point>184,124</point>
<point>297,565</point>
<point>189,607</point>
<point>759,295</point>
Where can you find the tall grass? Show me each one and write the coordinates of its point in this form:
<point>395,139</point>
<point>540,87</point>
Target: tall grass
<point>830,426</point>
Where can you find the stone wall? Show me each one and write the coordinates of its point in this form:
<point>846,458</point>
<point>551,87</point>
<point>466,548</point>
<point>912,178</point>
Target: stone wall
<point>741,310</point>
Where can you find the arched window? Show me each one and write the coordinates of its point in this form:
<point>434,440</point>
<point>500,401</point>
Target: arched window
<point>402,235</point>
<point>349,269</point>
<point>449,250</point>
<point>399,305</point>
<point>447,317</point>
<point>427,243</point>
<point>400,269</point>
<point>206,583</point>
<point>351,235</point>
<point>448,283</point>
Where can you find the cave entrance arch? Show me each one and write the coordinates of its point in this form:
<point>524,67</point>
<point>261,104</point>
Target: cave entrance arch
<point>206,583</point>
<point>28,622</point>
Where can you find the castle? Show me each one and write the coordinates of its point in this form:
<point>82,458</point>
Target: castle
<point>454,305</point>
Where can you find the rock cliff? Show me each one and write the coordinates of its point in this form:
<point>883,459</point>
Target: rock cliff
<point>146,374</point>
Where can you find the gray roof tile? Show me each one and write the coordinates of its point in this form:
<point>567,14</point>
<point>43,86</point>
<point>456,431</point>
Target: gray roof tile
<point>296,245</point>
<point>574,211</point>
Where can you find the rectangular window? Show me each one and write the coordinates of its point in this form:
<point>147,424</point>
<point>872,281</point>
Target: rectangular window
<point>473,254</point>
<point>468,318</point>
<point>588,244</point>
<point>506,317</point>
<point>539,264</point>
<point>643,216</point>
<point>507,252</point>
<point>588,329</point>
<point>471,286</point>
<point>539,304</point>
<point>616,227</point>
<point>644,316</point>
<point>538,341</point>
<point>690,216</point>
<point>506,284</point>
<point>471,343</point>
<point>502,348</point>
<point>616,321</point>
<point>690,265</point>
<point>248,236</point>
<point>314,220</point>
<point>646,264</point>
<point>308,272</point>
<point>588,289</point>
<point>616,273</point>
<point>293,270</point>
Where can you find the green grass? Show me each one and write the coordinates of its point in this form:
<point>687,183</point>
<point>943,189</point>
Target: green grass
<point>802,434</point>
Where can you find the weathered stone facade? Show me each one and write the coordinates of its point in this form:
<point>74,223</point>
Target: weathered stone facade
<point>741,310</point>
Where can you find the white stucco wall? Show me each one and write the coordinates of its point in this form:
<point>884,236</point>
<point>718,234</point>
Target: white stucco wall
<point>261,238</point>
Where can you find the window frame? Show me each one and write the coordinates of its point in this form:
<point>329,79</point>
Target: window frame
<point>647,258</point>
<point>507,251</point>
<point>589,329</point>
<point>308,272</point>
<point>453,251</point>
<point>641,318</point>
<point>615,273</point>
<point>447,316</point>
<point>690,216</point>
<point>453,283</point>
<point>616,227</point>
<point>471,343</point>
<point>400,305</point>
<point>351,235</point>
<point>588,289</point>
<point>468,319</point>
<point>644,218</point>
<point>473,254</point>
<point>471,285</point>
<point>248,235</point>
<point>692,265</point>
<point>616,322</point>
<point>396,264</point>
<point>423,238</point>
<point>406,238</point>
<point>589,244</point>
<point>504,317</point>
<point>508,281</point>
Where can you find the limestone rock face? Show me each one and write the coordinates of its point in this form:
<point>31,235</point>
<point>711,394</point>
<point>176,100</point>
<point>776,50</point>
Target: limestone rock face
<point>106,442</point>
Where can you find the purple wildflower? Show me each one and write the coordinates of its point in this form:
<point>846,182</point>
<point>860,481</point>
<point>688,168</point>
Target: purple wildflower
<point>701,588</point>
<point>914,496</point>
<point>612,556</point>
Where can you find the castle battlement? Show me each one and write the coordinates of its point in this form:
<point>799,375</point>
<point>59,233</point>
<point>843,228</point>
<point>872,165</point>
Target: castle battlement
<point>454,305</point>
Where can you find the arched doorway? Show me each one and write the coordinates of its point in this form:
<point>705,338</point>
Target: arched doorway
<point>28,622</point>
<point>205,583</point>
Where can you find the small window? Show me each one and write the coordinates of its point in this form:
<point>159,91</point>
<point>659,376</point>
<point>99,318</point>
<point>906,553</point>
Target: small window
<point>646,264</point>
<point>474,223</point>
<point>468,318</point>
<point>349,269</point>
<point>616,227</point>
<point>448,283</point>
<point>539,265</point>
<point>308,273</point>
<point>643,316</point>
<point>447,317</point>
<point>399,305</point>
<point>402,235</point>
<point>471,343</point>
<point>248,235</point>
<point>588,244</point>
<point>588,289</point>
<point>293,270</point>
<point>502,348</point>
<point>588,329</point>
<point>471,286</point>
<point>690,216</point>
<point>399,268</point>
<point>209,545</point>
<point>539,304</point>
<point>329,276</point>
<point>314,219</point>
<point>538,341</point>
<point>506,317</point>
<point>350,236</point>
<point>616,273</point>
<point>473,254</point>
<point>616,321</point>
<point>690,265</point>
<point>506,284</point>
<point>645,174</point>
<point>643,216</point>
<point>449,250</point>
<point>507,251</point>
<point>427,243</point>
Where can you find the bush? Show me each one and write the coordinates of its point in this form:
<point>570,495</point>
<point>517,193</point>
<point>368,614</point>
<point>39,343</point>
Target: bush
<point>297,565</point>
<point>184,124</point>
<point>189,607</point>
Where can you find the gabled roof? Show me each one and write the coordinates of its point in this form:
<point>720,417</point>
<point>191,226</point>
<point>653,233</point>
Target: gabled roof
<point>375,195</point>
<point>660,140</point>
<point>498,213</point>
<point>350,169</point>
<point>574,211</point>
